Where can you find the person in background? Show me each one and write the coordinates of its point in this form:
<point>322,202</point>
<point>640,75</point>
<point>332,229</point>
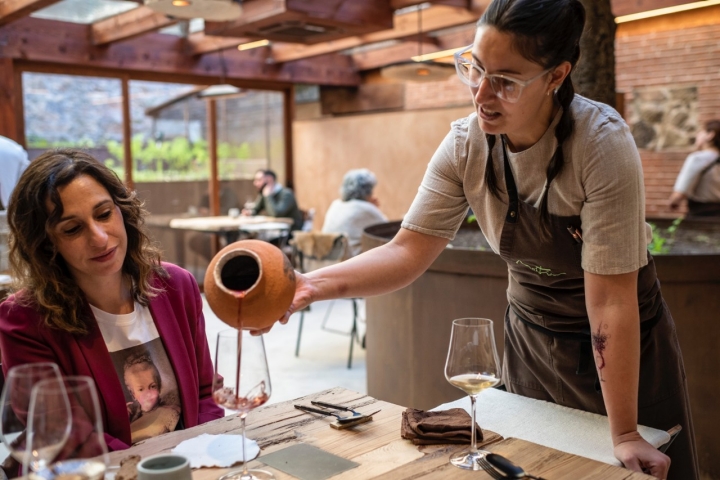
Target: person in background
<point>356,208</point>
<point>555,181</point>
<point>274,199</point>
<point>13,162</point>
<point>699,178</point>
<point>92,289</point>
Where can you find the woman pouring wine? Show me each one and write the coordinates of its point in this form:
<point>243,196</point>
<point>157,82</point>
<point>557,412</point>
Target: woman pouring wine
<point>556,184</point>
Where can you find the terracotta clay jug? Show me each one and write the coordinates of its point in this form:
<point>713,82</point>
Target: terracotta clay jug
<point>249,284</point>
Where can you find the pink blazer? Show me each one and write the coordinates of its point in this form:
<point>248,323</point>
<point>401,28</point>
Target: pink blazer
<point>177,313</point>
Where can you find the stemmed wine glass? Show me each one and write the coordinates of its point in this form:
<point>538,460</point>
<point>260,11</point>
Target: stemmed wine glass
<point>70,403</point>
<point>15,404</point>
<point>472,366</point>
<point>241,383</point>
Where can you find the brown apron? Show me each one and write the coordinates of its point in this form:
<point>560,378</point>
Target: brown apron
<point>704,209</point>
<point>548,354</point>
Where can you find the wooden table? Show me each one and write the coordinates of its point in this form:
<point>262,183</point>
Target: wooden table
<point>376,446</point>
<point>231,227</point>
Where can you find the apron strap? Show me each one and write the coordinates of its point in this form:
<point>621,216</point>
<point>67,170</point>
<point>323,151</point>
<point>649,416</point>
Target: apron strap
<point>512,213</point>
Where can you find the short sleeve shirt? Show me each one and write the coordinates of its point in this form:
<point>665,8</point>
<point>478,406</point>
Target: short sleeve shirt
<point>695,181</point>
<point>601,182</point>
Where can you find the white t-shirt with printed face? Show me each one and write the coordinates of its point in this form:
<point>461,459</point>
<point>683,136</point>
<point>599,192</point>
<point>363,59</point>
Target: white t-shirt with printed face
<point>142,365</point>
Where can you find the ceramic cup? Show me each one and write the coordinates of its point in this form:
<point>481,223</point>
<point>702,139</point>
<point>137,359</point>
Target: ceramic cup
<point>164,467</point>
<point>234,212</point>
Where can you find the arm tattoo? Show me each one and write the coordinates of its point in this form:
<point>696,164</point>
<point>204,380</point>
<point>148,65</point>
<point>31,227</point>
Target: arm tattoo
<point>599,342</point>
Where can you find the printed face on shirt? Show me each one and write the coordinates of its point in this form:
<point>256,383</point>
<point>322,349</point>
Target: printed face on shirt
<point>524,121</point>
<point>91,235</point>
<point>141,380</point>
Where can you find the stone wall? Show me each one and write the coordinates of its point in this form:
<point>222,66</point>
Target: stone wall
<point>662,118</point>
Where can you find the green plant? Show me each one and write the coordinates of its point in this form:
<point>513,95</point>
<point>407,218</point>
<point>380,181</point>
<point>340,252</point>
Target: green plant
<point>662,239</point>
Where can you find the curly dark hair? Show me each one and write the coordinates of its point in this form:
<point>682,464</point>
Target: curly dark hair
<point>46,282</point>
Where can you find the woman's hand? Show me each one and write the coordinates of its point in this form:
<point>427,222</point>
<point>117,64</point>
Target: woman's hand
<point>304,296</point>
<point>638,455</point>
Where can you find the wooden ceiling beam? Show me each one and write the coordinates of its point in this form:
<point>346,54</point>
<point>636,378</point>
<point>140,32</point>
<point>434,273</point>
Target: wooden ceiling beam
<point>381,57</point>
<point>11,10</point>
<point>64,44</point>
<point>433,18</point>
<point>126,25</point>
<point>198,43</point>
<point>400,52</point>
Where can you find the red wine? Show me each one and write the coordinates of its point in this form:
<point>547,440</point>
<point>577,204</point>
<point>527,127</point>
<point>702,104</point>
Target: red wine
<point>226,397</point>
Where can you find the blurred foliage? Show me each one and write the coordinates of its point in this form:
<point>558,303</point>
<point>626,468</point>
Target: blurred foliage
<point>662,239</point>
<point>176,159</point>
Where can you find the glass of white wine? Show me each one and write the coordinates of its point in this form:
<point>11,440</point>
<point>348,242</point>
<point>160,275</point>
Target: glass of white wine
<point>472,366</point>
<point>84,454</point>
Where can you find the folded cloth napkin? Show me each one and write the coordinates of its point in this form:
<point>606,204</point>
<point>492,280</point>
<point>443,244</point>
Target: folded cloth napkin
<point>432,428</point>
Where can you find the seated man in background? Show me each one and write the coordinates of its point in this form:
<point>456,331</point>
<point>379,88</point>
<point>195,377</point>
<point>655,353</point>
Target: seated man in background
<point>356,208</point>
<point>274,199</point>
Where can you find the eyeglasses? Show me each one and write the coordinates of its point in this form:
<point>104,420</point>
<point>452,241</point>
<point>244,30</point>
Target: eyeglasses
<point>505,88</point>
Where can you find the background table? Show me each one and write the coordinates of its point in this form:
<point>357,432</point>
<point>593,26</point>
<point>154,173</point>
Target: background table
<point>376,446</point>
<point>231,227</point>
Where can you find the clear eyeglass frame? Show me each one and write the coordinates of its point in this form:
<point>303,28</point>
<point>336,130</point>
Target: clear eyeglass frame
<point>505,88</point>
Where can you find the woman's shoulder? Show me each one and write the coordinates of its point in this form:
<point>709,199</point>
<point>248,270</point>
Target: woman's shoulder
<point>594,115</point>
<point>702,158</point>
<point>173,275</point>
<point>17,309</point>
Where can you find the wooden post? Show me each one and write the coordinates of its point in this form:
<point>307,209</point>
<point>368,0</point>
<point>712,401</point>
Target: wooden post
<point>12,122</point>
<point>288,116</point>
<point>214,184</point>
<point>127,133</point>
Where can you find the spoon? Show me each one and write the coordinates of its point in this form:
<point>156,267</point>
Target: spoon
<point>507,467</point>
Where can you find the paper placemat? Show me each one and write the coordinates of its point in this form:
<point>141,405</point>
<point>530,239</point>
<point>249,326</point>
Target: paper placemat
<point>307,462</point>
<point>216,450</point>
<point>549,424</point>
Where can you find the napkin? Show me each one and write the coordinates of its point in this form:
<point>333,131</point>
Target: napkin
<point>216,450</point>
<point>430,428</point>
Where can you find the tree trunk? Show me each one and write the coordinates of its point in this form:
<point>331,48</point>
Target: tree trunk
<point>594,75</point>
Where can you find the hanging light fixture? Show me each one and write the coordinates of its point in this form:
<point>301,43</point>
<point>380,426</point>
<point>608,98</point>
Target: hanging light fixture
<point>211,10</point>
<point>419,69</point>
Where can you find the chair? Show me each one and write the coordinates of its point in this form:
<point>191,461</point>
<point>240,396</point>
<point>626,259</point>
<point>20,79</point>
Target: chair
<point>313,250</point>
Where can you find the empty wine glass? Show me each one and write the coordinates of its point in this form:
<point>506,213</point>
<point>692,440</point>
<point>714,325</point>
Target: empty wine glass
<point>241,383</point>
<point>472,366</point>
<point>15,403</point>
<point>84,455</point>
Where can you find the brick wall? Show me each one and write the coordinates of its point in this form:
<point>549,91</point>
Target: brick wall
<point>680,57</point>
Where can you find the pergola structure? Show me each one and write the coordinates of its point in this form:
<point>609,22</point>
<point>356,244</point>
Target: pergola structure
<point>325,42</point>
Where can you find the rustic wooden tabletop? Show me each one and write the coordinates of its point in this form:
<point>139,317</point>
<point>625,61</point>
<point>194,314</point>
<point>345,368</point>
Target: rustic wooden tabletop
<point>376,446</point>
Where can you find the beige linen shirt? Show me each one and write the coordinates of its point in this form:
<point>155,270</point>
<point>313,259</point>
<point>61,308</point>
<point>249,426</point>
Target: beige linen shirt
<point>601,182</point>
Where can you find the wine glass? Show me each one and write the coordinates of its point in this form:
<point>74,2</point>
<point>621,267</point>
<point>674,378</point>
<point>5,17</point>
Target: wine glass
<point>15,403</point>
<point>472,366</point>
<point>241,383</point>
<point>84,453</point>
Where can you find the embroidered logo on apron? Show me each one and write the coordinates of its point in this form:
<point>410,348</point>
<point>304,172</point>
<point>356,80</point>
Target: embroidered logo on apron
<point>539,270</point>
